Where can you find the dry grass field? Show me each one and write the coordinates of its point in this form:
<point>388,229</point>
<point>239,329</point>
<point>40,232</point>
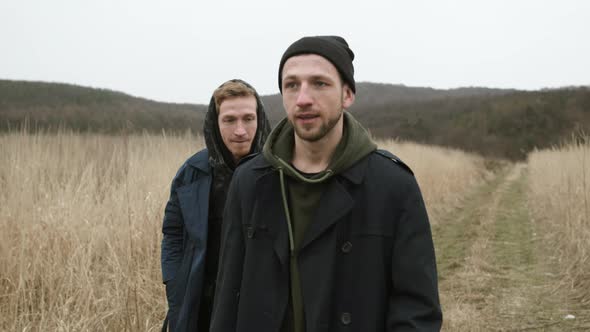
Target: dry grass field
<point>560,202</point>
<point>515,255</point>
<point>80,219</point>
<point>445,175</point>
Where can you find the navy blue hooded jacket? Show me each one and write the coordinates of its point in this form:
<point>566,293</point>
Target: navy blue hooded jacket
<point>191,230</point>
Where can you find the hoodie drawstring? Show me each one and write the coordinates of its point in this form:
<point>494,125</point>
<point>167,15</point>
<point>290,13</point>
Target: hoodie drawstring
<point>286,208</point>
<point>300,177</point>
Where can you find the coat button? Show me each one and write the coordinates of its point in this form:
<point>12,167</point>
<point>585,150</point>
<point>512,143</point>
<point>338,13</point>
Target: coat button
<point>345,318</point>
<point>250,232</point>
<point>346,247</point>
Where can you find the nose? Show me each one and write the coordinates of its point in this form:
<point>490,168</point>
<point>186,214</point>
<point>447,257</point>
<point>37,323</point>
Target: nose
<point>304,97</point>
<point>240,129</point>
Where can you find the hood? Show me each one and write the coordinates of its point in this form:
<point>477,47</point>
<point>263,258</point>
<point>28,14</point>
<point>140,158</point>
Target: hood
<point>219,155</point>
<point>354,145</point>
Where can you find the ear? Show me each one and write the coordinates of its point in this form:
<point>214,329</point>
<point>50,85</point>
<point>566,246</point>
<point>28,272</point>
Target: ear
<point>347,96</point>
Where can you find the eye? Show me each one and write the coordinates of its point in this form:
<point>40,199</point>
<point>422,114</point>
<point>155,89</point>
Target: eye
<point>289,85</point>
<point>228,120</point>
<point>320,84</point>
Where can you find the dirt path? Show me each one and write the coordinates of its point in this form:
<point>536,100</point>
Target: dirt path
<point>494,272</point>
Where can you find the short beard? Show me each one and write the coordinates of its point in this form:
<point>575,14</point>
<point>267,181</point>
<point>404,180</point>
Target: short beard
<point>324,129</point>
<point>321,133</point>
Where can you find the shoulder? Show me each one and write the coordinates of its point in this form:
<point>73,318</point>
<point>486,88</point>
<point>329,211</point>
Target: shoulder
<point>388,175</point>
<point>247,158</point>
<point>387,157</point>
<point>252,163</point>
<point>197,163</point>
<point>199,159</point>
<point>250,168</point>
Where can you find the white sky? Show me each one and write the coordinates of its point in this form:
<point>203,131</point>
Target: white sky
<point>180,51</point>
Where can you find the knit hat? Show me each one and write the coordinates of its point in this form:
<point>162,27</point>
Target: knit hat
<point>334,48</point>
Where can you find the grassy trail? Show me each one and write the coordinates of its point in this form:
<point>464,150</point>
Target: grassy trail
<point>495,273</point>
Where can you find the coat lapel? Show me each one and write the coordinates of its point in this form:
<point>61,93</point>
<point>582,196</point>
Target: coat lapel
<point>194,203</point>
<point>269,210</point>
<point>335,203</point>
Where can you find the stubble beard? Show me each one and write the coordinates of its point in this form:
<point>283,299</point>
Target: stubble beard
<point>322,131</point>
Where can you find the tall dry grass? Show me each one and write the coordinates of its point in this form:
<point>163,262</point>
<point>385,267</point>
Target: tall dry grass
<point>445,175</point>
<point>80,220</point>
<point>560,202</point>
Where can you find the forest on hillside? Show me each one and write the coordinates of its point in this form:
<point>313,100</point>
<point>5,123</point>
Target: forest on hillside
<point>508,126</point>
<point>49,106</point>
<point>493,122</point>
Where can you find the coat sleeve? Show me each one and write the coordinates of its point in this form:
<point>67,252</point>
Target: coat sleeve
<point>414,304</point>
<point>172,232</point>
<point>229,276</point>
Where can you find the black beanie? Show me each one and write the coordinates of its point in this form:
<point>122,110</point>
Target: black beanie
<point>334,48</point>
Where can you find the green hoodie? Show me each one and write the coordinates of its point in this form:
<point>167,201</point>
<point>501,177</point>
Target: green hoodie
<point>302,192</point>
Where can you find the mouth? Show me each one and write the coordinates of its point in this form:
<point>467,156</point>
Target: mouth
<point>306,117</point>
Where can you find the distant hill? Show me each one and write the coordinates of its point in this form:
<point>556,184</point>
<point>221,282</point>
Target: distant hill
<point>52,105</point>
<point>501,124</point>
<point>494,122</point>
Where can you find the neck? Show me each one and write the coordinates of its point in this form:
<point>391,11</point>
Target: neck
<point>314,157</point>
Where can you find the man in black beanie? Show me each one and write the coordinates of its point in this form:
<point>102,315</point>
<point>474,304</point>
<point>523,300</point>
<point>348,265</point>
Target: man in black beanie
<point>323,231</point>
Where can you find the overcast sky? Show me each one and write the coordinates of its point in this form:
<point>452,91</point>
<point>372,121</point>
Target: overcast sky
<point>180,51</point>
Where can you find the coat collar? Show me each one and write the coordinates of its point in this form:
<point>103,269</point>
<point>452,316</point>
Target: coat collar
<point>354,174</point>
<point>200,160</point>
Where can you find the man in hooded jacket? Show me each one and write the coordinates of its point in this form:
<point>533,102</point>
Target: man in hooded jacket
<point>235,126</point>
<point>337,237</point>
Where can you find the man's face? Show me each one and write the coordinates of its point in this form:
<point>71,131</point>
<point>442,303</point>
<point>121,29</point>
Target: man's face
<point>314,96</point>
<point>237,124</point>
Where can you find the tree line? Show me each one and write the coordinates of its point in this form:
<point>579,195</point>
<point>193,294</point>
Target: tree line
<point>498,123</point>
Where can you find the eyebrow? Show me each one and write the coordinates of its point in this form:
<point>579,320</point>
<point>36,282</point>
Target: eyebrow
<point>236,116</point>
<point>289,77</point>
<point>312,77</point>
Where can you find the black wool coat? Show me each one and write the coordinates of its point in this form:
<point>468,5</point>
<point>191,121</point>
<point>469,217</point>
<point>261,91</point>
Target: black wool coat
<point>366,263</point>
